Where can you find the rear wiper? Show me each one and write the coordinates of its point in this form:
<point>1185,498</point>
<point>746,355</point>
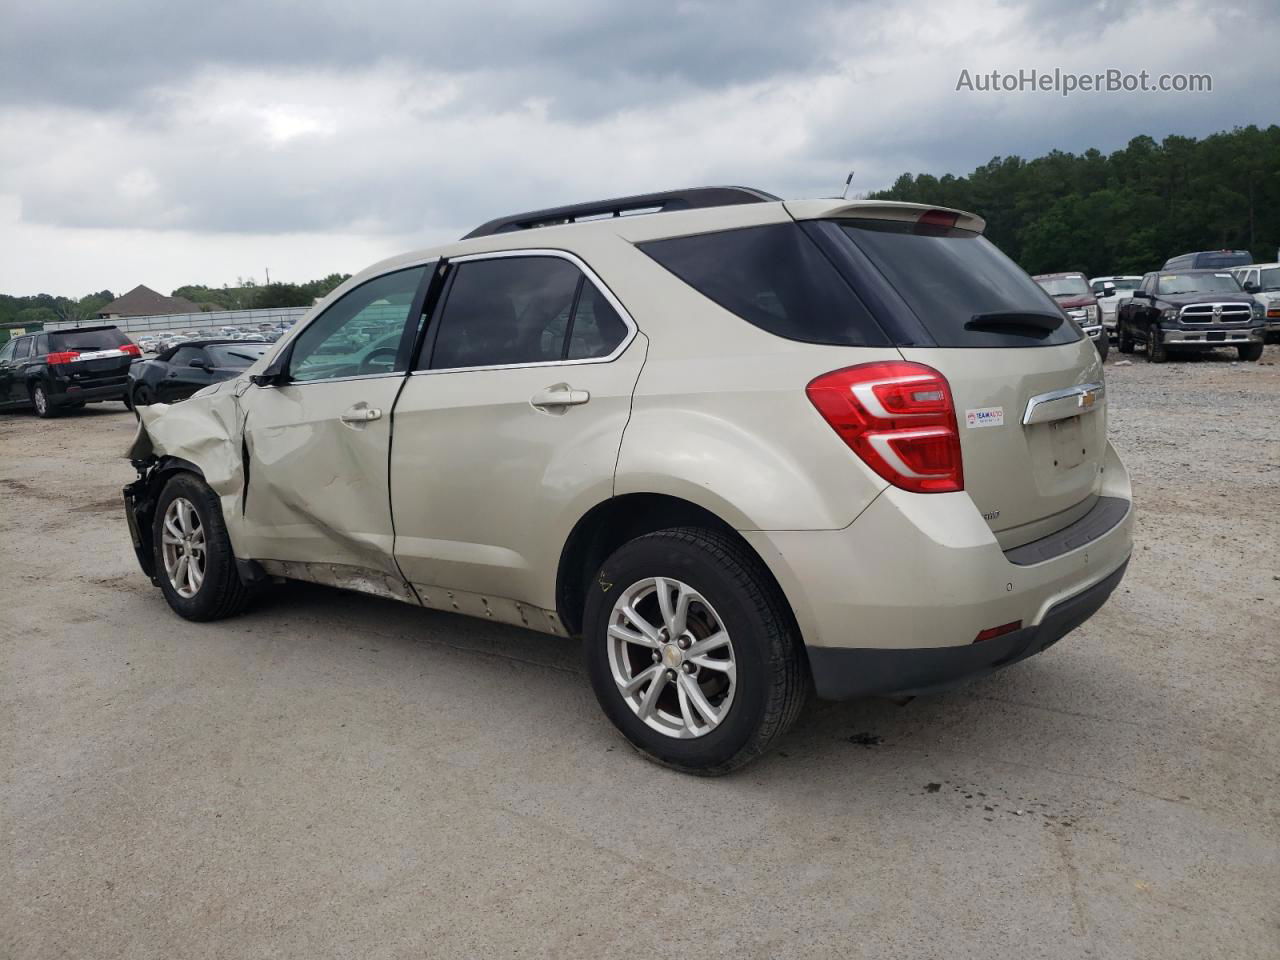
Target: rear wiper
<point>1034,323</point>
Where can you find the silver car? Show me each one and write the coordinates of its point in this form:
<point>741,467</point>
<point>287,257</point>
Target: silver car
<point>745,449</point>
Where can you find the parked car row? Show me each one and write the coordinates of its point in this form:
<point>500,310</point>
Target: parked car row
<point>261,333</point>
<point>1197,301</point>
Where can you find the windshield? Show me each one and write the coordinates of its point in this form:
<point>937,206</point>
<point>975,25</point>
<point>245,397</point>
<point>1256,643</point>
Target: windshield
<point>1269,279</point>
<point>1198,283</point>
<point>236,355</point>
<point>1064,286</point>
<point>87,340</point>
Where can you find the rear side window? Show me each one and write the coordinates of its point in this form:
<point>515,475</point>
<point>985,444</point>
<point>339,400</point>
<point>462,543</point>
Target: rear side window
<point>514,310</point>
<point>87,340</point>
<point>23,349</point>
<point>775,278</point>
<point>963,290</point>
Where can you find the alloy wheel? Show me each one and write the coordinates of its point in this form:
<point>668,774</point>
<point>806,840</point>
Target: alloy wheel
<point>671,658</point>
<point>183,546</point>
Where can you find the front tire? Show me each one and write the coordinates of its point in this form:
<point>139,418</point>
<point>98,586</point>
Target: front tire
<point>692,652</point>
<point>1250,351</point>
<point>1156,351</point>
<point>193,558</point>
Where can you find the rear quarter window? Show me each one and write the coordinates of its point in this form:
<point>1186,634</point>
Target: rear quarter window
<point>775,278</point>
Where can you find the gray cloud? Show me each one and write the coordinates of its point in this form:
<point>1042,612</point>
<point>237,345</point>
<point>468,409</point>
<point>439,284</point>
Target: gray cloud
<point>407,121</point>
<point>593,55</point>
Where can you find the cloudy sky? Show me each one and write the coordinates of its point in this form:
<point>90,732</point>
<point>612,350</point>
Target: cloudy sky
<point>187,141</point>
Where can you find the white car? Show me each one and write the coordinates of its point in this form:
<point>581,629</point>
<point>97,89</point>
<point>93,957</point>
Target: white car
<point>743,448</point>
<point>1122,288</point>
<point>1262,280</point>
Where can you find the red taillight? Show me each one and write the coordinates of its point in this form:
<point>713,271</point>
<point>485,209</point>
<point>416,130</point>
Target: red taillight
<point>992,632</point>
<point>66,356</point>
<point>938,218</point>
<point>131,349</point>
<point>899,418</point>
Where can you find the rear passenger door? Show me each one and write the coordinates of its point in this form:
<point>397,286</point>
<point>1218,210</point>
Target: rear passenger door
<point>509,428</point>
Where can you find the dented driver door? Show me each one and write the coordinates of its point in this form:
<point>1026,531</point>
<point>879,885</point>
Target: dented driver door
<point>317,446</point>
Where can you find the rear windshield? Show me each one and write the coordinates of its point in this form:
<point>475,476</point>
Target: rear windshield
<point>236,355</point>
<point>87,339</point>
<point>963,290</point>
<point>774,277</point>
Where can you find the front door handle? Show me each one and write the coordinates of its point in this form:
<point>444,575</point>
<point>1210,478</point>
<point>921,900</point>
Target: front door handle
<point>559,396</point>
<point>361,414</point>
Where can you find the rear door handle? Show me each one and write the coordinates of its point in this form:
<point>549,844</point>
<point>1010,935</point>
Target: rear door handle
<point>361,414</point>
<point>559,395</point>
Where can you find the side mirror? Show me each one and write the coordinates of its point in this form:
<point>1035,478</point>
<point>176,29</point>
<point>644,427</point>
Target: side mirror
<point>277,372</point>
<point>199,363</point>
<point>1141,295</point>
<point>1108,290</point>
<point>1251,287</point>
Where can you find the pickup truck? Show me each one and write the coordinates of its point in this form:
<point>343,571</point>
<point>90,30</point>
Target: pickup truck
<point>1190,309</point>
<point>1262,282</point>
<point>1071,292</point>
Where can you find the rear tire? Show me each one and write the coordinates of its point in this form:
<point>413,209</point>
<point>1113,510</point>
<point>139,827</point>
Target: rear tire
<point>1250,351</point>
<point>1156,351</point>
<point>40,399</point>
<point>201,539</point>
<point>721,708</point>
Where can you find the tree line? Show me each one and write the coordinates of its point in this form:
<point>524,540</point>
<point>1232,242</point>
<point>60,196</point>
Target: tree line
<point>34,311</point>
<point>1124,212</point>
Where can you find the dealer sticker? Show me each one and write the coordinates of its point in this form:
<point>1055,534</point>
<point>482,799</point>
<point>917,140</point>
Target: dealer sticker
<point>984,417</point>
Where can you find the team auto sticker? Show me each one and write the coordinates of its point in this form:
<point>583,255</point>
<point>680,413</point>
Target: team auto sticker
<point>984,417</point>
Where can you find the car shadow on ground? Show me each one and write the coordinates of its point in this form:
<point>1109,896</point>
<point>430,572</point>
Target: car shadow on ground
<point>1003,714</point>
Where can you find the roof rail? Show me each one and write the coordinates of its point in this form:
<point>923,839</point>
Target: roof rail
<point>664,202</point>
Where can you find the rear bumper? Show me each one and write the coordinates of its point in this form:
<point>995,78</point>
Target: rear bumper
<point>842,674</point>
<point>75,394</point>
<point>916,573</point>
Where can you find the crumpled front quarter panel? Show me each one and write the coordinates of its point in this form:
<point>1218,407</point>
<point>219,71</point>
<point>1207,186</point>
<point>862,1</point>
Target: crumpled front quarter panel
<point>205,430</point>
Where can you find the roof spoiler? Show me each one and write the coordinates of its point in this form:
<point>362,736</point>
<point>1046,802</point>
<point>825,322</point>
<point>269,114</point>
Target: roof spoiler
<point>886,210</point>
<point>690,199</point>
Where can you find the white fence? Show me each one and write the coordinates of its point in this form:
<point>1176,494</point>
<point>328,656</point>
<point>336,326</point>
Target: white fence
<point>191,322</point>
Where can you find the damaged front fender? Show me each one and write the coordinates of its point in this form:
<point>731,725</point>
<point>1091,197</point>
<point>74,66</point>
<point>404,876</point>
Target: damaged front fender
<point>202,434</point>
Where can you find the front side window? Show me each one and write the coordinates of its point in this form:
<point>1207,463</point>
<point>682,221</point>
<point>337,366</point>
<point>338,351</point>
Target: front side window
<point>516,310</point>
<point>1268,278</point>
<point>183,356</point>
<point>363,333</point>
<point>23,349</point>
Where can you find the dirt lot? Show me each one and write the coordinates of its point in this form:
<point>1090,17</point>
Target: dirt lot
<point>331,775</point>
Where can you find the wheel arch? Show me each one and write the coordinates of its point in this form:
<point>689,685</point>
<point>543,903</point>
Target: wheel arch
<point>613,522</point>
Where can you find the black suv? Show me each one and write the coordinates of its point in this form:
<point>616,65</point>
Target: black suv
<point>1190,309</point>
<point>65,369</point>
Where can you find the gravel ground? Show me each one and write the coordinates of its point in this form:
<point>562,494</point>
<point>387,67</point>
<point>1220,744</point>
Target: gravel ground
<point>333,775</point>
